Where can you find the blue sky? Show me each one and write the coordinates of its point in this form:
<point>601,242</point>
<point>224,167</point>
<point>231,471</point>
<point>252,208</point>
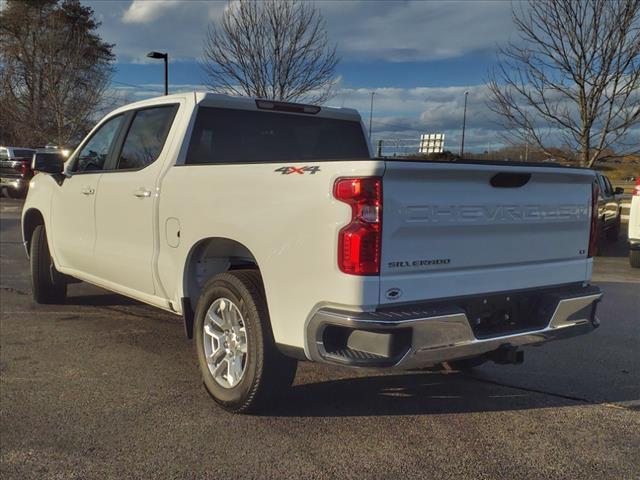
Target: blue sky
<point>460,71</point>
<point>418,56</point>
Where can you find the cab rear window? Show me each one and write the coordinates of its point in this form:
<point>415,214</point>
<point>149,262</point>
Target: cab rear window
<point>222,135</point>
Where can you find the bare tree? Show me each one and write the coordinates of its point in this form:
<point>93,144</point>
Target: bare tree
<point>575,73</point>
<point>276,49</point>
<point>55,69</point>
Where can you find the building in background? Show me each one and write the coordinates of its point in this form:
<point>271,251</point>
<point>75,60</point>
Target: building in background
<point>431,143</point>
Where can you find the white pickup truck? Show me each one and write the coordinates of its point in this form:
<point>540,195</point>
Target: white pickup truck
<point>272,231</point>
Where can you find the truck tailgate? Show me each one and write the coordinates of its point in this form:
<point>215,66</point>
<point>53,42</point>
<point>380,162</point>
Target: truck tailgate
<point>452,229</point>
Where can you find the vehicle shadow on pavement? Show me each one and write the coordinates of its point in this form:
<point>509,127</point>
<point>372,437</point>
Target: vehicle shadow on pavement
<point>408,394</point>
<point>618,248</point>
<point>104,300</point>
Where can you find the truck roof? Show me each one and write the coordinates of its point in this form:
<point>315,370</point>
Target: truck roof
<point>210,99</point>
<point>15,148</point>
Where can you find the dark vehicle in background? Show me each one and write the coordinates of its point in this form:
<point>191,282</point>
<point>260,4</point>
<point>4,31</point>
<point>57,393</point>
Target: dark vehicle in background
<point>15,170</point>
<point>609,209</point>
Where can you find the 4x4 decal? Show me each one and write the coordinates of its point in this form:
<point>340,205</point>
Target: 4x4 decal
<point>299,170</point>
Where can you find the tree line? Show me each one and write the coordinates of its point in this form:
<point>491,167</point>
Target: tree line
<point>55,71</point>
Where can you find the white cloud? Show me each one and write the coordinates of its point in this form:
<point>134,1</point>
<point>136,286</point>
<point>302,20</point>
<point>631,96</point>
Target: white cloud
<point>398,112</point>
<point>177,27</point>
<point>145,11</point>
<point>416,30</point>
<point>401,113</point>
<point>363,30</point>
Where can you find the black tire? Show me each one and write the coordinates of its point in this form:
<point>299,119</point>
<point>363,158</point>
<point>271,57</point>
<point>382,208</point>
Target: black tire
<point>634,258</point>
<point>267,373</point>
<point>614,232</point>
<point>47,285</point>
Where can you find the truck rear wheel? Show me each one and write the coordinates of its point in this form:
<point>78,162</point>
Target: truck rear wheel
<point>47,284</point>
<point>241,367</point>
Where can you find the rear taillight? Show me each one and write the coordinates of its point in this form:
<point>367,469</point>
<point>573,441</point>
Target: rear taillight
<point>593,234</point>
<point>359,243</point>
<point>24,168</point>
<point>636,190</point>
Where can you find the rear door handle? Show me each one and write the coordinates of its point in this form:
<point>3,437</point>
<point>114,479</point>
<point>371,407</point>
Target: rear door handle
<point>88,191</point>
<point>142,193</point>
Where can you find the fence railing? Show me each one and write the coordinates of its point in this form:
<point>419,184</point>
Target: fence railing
<point>396,147</point>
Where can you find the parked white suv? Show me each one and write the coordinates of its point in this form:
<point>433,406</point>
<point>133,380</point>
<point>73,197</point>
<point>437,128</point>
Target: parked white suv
<point>274,233</point>
<point>634,227</point>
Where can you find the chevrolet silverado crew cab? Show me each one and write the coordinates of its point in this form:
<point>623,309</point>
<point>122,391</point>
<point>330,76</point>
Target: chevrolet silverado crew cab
<point>272,231</point>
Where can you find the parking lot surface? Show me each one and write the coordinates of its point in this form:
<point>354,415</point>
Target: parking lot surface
<point>106,387</point>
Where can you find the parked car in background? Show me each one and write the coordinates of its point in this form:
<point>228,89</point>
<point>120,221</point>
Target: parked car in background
<point>634,227</point>
<point>15,170</point>
<point>609,209</point>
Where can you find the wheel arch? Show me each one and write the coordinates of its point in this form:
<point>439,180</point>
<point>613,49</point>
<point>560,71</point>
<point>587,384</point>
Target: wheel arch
<point>30,220</point>
<point>207,258</point>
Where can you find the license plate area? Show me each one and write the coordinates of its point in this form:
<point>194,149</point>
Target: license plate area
<point>508,313</point>
<point>505,313</point>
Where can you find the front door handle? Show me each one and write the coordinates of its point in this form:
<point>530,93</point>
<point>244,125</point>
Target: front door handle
<point>142,193</point>
<point>88,191</point>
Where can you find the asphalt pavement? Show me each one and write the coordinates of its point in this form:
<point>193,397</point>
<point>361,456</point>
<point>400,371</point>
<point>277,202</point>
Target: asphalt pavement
<point>105,387</point>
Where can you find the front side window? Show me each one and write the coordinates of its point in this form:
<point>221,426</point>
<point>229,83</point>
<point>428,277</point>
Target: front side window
<point>609,186</point>
<point>602,184</point>
<point>146,137</point>
<point>96,150</point>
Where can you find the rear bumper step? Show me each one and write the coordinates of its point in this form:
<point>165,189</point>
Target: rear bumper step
<point>417,336</point>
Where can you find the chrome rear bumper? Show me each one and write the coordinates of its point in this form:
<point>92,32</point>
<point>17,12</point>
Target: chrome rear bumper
<point>430,336</point>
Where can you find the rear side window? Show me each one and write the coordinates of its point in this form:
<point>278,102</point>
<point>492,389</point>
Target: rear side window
<point>222,135</point>
<point>146,137</point>
<point>3,154</point>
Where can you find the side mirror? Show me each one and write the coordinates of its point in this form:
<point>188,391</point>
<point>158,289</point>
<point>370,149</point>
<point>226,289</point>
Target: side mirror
<point>48,162</point>
<point>618,191</point>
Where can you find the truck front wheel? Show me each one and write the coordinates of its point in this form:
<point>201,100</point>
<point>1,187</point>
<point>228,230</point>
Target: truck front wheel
<point>47,284</point>
<point>241,367</point>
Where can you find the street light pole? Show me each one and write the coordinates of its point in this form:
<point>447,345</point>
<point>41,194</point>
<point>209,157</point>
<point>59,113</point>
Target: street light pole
<point>166,74</point>
<point>464,123</point>
<point>165,57</point>
<point>371,114</point>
